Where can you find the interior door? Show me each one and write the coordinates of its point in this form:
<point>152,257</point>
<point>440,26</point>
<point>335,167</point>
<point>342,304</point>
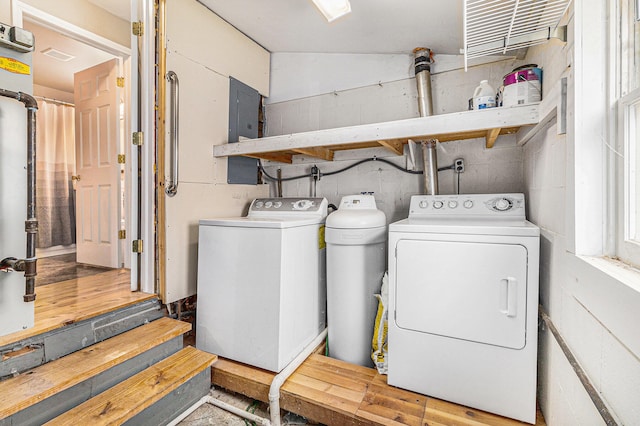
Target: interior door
<point>463,290</point>
<point>97,169</point>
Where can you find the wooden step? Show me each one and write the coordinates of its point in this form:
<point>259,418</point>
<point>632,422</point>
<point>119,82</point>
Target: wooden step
<point>132,396</point>
<point>334,392</point>
<point>52,379</point>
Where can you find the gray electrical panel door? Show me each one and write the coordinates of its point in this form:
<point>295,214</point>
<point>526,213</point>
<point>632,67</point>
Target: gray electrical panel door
<point>244,103</point>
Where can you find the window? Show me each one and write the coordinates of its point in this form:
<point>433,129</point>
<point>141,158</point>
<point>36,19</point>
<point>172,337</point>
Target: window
<point>628,105</point>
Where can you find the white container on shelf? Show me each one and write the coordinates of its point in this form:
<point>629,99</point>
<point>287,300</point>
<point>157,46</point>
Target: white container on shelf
<point>484,96</point>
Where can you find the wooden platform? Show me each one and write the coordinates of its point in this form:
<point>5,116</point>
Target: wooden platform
<point>58,305</point>
<point>334,392</point>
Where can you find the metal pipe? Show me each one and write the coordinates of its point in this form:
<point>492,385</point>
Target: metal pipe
<point>593,393</point>
<point>423,59</point>
<point>31,224</point>
<point>423,62</point>
<point>430,161</point>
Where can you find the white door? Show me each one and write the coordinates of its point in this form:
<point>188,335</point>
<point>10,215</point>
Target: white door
<point>463,290</point>
<point>98,185</point>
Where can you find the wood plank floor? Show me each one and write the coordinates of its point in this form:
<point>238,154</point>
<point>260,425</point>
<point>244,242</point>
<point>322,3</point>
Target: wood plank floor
<point>334,392</point>
<point>67,302</point>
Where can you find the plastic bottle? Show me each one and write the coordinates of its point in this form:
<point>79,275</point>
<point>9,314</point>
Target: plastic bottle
<point>484,96</point>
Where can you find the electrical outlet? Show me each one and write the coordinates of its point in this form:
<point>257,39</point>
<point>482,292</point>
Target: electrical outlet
<point>458,165</point>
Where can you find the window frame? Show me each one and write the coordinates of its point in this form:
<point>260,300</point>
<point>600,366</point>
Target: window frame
<point>627,98</point>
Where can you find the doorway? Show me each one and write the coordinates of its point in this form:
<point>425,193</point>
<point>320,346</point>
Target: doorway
<point>72,49</point>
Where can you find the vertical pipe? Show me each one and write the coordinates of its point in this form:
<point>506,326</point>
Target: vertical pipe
<point>31,224</point>
<point>430,160</point>
<point>279,182</point>
<point>425,107</point>
<point>423,80</point>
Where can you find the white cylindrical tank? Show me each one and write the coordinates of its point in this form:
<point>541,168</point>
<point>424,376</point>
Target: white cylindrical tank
<point>356,237</point>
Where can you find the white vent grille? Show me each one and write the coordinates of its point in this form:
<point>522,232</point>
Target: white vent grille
<point>496,26</point>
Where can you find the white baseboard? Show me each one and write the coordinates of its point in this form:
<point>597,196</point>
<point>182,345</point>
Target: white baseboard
<point>55,250</point>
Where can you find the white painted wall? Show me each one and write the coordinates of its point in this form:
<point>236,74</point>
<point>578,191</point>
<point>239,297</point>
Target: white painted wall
<point>204,120</point>
<point>594,303</point>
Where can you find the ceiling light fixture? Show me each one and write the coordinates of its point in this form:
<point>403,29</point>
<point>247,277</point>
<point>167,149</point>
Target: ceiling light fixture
<point>333,9</point>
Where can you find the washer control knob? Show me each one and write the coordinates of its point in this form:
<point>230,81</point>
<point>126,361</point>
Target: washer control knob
<point>453,204</point>
<point>268,204</point>
<point>302,204</point>
<point>503,204</point>
<point>277,204</point>
<point>423,204</point>
<point>258,205</point>
<point>468,204</point>
<point>438,204</point>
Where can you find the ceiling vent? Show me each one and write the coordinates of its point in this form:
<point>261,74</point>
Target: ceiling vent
<point>494,27</point>
<point>57,54</point>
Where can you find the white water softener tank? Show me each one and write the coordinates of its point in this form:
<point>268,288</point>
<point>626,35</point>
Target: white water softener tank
<point>356,237</point>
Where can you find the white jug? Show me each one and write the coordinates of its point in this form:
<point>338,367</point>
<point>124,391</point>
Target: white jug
<point>484,96</point>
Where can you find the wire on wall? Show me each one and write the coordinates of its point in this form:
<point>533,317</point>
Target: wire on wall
<point>316,174</point>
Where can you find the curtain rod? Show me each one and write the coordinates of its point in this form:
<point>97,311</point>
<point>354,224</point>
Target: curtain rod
<point>57,101</point>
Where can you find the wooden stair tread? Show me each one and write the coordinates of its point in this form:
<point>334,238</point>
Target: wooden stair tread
<point>132,396</point>
<point>75,300</point>
<point>40,383</point>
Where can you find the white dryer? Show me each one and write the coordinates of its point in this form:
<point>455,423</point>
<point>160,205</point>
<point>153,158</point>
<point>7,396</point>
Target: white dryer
<point>463,302</point>
<point>262,282</point>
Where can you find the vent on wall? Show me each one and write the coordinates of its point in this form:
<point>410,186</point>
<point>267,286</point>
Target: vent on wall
<point>57,54</point>
<point>496,26</point>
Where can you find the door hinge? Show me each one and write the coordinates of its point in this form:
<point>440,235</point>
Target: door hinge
<point>138,138</point>
<point>122,234</point>
<point>137,28</point>
<point>120,81</point>
<point>121,159</point>
<point>136,246</point>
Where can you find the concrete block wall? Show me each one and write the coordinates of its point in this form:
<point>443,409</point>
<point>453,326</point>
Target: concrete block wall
<point>499,169</point>
<point>592,301</point>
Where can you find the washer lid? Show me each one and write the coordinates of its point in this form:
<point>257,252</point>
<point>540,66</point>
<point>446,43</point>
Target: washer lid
<point>262,222</point>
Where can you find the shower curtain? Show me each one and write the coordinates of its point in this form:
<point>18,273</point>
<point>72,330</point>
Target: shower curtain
<point>55,211</point>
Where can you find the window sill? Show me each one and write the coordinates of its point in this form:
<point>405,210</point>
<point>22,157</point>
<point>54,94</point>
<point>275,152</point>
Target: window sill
<point>617,270</point>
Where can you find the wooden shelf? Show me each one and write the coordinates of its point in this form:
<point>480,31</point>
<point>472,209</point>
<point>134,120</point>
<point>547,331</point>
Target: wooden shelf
<point>488,124</point>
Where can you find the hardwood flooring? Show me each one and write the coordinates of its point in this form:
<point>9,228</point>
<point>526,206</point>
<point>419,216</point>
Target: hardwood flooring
<point>64,267</point>
<point>77,299</point>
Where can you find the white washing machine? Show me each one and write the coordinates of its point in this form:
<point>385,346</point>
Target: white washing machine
<point>463,302</point>
<point>261,282</point>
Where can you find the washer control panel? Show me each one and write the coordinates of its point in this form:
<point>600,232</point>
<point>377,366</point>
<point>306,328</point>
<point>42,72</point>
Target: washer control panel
<point>261,206</point>
<point>469,205</point>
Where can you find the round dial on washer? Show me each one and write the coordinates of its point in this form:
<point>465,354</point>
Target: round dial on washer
<point>452,204</point>
<point>302,204</point>
<point>503,204</point>
<point>268,204</point>
<point>277,204</point>
<point>258,205</point>
<point>438,204</point>
<point>423,204</point>
<point>468,204</point>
